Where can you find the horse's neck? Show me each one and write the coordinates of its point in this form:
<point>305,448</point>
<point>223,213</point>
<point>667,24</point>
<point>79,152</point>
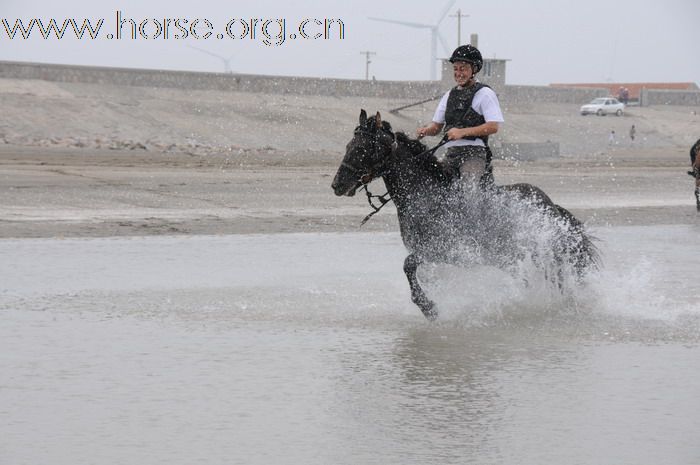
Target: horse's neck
<point>407,175</point>
<point>419,196</point>
<point>399,174</point>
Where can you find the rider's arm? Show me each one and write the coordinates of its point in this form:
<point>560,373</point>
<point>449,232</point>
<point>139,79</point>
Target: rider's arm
<point>429,130</point>
<point>486,129</point>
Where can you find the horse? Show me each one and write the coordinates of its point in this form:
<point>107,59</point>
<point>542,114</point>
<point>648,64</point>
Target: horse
<point>695,164</point>
<point>442,221</point>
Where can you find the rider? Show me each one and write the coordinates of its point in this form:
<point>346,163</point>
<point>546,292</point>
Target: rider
<point>469,113</point>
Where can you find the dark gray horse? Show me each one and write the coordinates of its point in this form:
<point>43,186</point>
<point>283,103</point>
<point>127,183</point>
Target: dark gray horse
<point>442,221</point>
<point>695,164</point>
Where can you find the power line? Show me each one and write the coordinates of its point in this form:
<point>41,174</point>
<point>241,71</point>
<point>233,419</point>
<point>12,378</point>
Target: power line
<point>226,61</point>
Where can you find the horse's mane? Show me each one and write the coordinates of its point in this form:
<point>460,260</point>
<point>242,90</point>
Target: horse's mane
<point>414,145</point>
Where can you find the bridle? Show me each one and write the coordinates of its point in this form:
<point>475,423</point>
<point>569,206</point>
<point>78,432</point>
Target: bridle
<point>379,169</point>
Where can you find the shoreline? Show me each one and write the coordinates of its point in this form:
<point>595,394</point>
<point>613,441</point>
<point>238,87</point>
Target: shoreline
<point>80,192</point>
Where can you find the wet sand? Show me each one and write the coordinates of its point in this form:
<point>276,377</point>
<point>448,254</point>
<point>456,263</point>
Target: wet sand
<point>87,192</point>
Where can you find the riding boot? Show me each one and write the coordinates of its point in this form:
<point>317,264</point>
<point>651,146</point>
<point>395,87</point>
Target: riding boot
<point>487,179</point>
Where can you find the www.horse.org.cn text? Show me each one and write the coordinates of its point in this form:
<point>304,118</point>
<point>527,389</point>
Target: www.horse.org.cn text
<point>270,31</point>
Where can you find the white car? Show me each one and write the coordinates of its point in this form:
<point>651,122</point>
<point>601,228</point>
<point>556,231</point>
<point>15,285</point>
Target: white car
<point>604,106</point>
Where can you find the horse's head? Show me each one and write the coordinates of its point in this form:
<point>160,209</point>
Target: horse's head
<point>365,155</point>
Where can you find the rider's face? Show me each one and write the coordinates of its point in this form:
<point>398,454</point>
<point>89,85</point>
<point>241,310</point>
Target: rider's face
<point>463,72</point>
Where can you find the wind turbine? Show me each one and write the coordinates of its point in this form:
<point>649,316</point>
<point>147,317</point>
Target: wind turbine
<point>434,35</point>
<point>227,61</point>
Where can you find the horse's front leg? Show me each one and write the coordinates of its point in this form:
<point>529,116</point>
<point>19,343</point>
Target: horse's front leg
<point>427,306</point>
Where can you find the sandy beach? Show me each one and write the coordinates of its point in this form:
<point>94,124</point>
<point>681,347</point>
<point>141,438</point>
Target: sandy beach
<point>84,192</point>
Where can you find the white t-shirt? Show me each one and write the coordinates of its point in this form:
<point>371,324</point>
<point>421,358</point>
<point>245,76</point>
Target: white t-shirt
<point>485,103</point>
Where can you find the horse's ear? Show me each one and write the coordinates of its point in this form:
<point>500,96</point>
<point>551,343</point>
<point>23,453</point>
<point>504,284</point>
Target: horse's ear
<point>363,118</point>
<point>379,121</point>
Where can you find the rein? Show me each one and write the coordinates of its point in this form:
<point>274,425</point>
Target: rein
<point>431,151</point>
<point>384,199</point>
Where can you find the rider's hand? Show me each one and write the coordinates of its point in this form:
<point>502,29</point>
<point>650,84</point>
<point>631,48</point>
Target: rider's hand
<point>455,133</point>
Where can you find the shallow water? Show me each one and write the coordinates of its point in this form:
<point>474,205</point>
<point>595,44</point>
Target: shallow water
<point>305,348</point>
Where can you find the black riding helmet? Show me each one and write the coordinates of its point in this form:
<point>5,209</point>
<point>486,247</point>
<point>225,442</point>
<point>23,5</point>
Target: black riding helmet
<point>468,54</point>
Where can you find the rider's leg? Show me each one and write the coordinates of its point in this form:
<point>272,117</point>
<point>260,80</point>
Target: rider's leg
<point>472,170</point>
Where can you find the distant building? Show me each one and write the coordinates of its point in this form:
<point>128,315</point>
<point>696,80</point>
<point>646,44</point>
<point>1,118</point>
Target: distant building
<point>635,88</point>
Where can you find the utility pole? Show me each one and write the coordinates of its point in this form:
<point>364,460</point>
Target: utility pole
<point>459,17</point>
<point>368,61</point>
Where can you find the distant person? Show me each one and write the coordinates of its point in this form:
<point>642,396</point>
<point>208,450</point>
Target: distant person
<point>611,138</point>
<point>469,113</point>
<point>625,95</point>
<point>633,132</point>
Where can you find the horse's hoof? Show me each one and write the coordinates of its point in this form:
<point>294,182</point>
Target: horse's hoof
<point>426,306</point>
<point>429,311</point>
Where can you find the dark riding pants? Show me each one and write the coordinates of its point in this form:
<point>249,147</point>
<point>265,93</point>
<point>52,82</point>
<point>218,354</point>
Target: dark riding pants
<point>469,160</point>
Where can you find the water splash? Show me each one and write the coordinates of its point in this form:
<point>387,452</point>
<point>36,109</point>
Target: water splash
<point>509,254</point>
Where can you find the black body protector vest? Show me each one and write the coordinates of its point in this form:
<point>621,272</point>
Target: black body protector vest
<point>460,114</point>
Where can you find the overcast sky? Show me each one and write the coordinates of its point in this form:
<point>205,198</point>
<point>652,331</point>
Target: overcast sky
<point>546,41</point>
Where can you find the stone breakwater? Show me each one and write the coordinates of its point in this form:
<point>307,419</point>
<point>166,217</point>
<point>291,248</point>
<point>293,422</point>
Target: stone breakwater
<point>50,109</point>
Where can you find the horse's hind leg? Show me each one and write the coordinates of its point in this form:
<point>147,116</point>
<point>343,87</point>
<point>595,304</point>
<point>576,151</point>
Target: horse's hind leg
<point>427,306</point>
